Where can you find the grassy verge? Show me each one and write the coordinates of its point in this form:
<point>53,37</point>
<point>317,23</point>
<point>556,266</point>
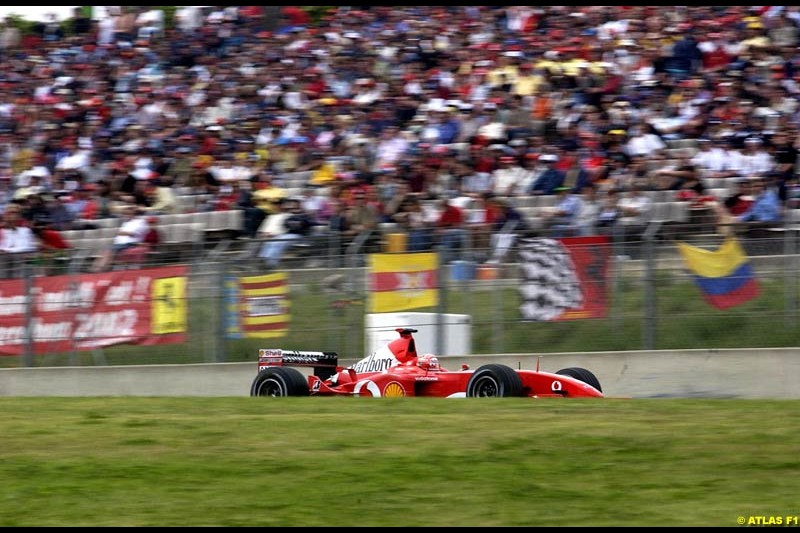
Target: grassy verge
<point>407,462</point>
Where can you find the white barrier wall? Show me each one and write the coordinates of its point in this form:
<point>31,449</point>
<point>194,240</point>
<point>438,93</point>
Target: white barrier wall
<point>381,328</point>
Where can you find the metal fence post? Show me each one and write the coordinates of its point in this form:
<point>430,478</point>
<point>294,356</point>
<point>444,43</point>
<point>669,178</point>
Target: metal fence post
<point>617,246</point>
<point>498,324</point>
<point>441,306</point>
<point>789,277</point>
<point>350,259</point>
<point>76,304</point>
<point>221,353</point>
<point>334,263</point>
<point>27,357</point>
<point>650,312</point>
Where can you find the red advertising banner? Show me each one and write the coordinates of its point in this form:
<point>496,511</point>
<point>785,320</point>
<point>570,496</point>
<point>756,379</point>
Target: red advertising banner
<point>564,279</point>
<point>88,311</point>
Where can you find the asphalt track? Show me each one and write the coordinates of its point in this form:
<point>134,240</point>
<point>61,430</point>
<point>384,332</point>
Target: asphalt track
<point>769,373</point>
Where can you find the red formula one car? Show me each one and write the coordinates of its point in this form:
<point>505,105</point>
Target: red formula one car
<point>396,370</point>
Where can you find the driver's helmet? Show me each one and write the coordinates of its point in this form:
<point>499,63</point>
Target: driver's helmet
<point>428,362</point>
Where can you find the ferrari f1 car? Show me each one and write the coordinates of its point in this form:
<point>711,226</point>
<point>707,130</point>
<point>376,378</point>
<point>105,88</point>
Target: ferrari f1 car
<point>396,370</point>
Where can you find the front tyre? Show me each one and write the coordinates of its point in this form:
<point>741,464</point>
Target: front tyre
<point>581,374</point>
<point>494,380</point>
<point>279,381</point>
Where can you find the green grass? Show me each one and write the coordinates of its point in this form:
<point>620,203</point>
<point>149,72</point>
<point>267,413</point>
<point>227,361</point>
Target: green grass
<point>405,462</point>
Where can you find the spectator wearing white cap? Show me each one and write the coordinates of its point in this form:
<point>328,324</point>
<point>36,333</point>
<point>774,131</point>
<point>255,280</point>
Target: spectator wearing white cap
<point>472,122</point>
<point>549,179</point>
<point>131,232</point>
<point>390,148</point>
<point>17,240</point>
<point>712,158</point>
<point>506,177</point>
<point>753,159</point>
<point>33,180</point>
<point>643,141</point>
<point>531,168</point>
<point>493,129</point>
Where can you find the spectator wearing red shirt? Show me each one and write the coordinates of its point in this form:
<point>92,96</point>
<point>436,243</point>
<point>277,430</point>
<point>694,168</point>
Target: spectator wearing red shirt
<point>296,15</point>
<point>451,216</point>
<point>715,52</point>
<point>484,158</point>
<point>450,230</point>
<point>53,247</point>
<point>482,218</point>
<point>229,197</point>
<point>139,254</point>
<point>49,238</point>
<point>741,198</point>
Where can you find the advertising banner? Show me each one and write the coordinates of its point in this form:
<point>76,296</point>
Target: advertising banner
<point>88,311</point>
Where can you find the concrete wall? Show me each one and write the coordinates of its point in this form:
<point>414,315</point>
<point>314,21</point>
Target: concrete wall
<point>741,373</point>
<point>223,379</point>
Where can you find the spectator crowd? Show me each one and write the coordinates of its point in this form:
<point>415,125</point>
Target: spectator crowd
<point>437,120</point>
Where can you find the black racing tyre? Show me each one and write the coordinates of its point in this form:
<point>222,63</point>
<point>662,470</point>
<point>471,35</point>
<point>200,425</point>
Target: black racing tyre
<point>581,374</point>
<point>494,380</point>
<point>279,381</point>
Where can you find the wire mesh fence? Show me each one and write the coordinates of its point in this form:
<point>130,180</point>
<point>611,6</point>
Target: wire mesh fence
<point>221,303</point>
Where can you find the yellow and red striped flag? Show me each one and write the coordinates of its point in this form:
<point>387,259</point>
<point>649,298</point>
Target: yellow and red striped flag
<point>258,306</point>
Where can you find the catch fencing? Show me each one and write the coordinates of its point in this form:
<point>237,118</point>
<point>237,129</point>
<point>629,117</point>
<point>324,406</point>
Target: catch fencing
<point>218,302</point>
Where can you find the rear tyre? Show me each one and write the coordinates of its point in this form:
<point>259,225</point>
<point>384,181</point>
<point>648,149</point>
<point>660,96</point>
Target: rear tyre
<point>494,380</point>
<point>581,374</point>
<point>279,381</point>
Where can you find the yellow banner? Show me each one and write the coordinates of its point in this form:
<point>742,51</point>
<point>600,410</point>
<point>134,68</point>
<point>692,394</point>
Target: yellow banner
<point>168,305</point>
<point>398,282</point>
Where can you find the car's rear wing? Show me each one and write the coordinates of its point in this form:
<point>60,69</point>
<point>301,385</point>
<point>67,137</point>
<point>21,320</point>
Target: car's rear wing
<point>325,364</point>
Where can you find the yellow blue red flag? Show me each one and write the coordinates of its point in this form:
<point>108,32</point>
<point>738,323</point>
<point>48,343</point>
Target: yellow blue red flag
<point>724,276</point>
